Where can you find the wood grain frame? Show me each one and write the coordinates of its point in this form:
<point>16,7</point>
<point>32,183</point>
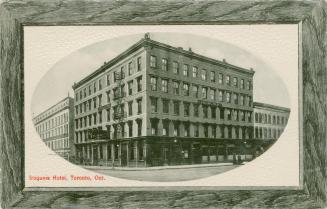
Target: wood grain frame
<point>310,14</point>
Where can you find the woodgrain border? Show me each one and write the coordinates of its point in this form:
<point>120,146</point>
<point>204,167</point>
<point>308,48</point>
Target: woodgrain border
<point>311,15</point>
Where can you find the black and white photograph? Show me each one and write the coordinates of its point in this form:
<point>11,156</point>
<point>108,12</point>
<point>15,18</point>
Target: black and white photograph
<point>168,106</point>
<point>163,104</point>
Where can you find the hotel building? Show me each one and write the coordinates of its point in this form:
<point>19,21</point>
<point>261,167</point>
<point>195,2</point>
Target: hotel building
<point>156,104</point>
<point>270,120</point>
<point>55,126</point>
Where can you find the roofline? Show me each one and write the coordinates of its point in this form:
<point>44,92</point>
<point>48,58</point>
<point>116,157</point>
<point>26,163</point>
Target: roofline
<point>112,62</point>
<point>68,97</point>
<point>148,41</point>
<point>199,56</point>
<point>259,104</point>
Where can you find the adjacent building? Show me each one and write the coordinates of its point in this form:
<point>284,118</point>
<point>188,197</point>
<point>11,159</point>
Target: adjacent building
<point>156,104</point>
<point>270,120</point>
<point>56,127</point>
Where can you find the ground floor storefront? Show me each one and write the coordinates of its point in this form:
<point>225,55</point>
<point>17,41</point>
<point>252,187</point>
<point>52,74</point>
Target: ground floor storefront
<point>166,151</point>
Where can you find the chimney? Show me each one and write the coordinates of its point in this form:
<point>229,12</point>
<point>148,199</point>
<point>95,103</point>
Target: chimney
<point>251,69</point>
<point>190,49</point>
<point>180,48</point>
<point>224,60</point>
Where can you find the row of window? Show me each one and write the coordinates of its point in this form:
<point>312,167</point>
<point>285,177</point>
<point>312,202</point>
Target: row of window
<point>204,74</point>
<point>118,130</point>
<point>228,113</point>
<point>136,152</point>
<point>58,144</point>
<point>267,133</point>
<point>96,101</point>
<point>120,74</point>
<point>50,112</point>
<point>270,119</point>
<point>209,130</point>
<point>52,122</point>
<point>206,92</point>
<point>54,132</point>
<point>118,111</point>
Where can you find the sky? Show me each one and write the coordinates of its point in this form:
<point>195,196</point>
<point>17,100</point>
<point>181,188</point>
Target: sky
<point>57,82</point>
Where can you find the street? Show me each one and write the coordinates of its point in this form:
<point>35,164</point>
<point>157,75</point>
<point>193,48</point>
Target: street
<point>169,174</point>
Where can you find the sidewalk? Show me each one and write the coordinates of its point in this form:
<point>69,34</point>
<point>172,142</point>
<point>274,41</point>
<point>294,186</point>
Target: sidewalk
<point>158,167</point>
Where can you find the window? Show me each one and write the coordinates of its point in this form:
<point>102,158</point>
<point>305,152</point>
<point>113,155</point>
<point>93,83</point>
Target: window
<point>196,110</point>
<point>222,114</point>
<point>196,130</point>
<point>204,92</point>
<point>213,112</point>
<point>235,81</point>
<point>205,111</point>
<point>90,106</point>
<point>212,76</point>
<point>139,83</point>
<point>94,87</point>
<point>186,88</point>
<point>153,61</point>
<point>165,128</point>
<point>242,117</point>
<point>220,96</point>
<point>100,84</point>
<point>130,134</point>
<point>176,129</point>
<point>139,106</point>
<point>165,106</point>
<point>195,72</point>
<point>220,78</point>
<point>235,98</point>
<point>94,102</point>
<point>154,105</point>
<point>164,64</point>
<point>139,133</point>
<point>164,85</point>
<point>228,114</point>
<point>195,91</point>
<point>94,118</point>
<point>139,64</point>
<point>185,70</point>
<point>186,109</point>
<point>85,92</point>
<point>212,94</point>
<point>176,87</point>
<point>242,83</point>
<point>249,85</point>
<point>100,100</point>
<point>80,95</point>
<point>186,129</point>
<point>154,127</point>
<point>130,87</point>
<point>100,116</point>
<point>235,114</point>
<point>241,100</point>
<point>175,67</point>
<point>203,74</point>
<point>130,108</point>
<point>205,130</point>
<point>153,81</point>
<point>227,79</point>
<point>227,97</point>
<point>176,107</point>
<point>108,116</point>
<point>130,68</point>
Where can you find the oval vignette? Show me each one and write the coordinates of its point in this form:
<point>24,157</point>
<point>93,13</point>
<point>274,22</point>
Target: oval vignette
<point>143,158</point>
